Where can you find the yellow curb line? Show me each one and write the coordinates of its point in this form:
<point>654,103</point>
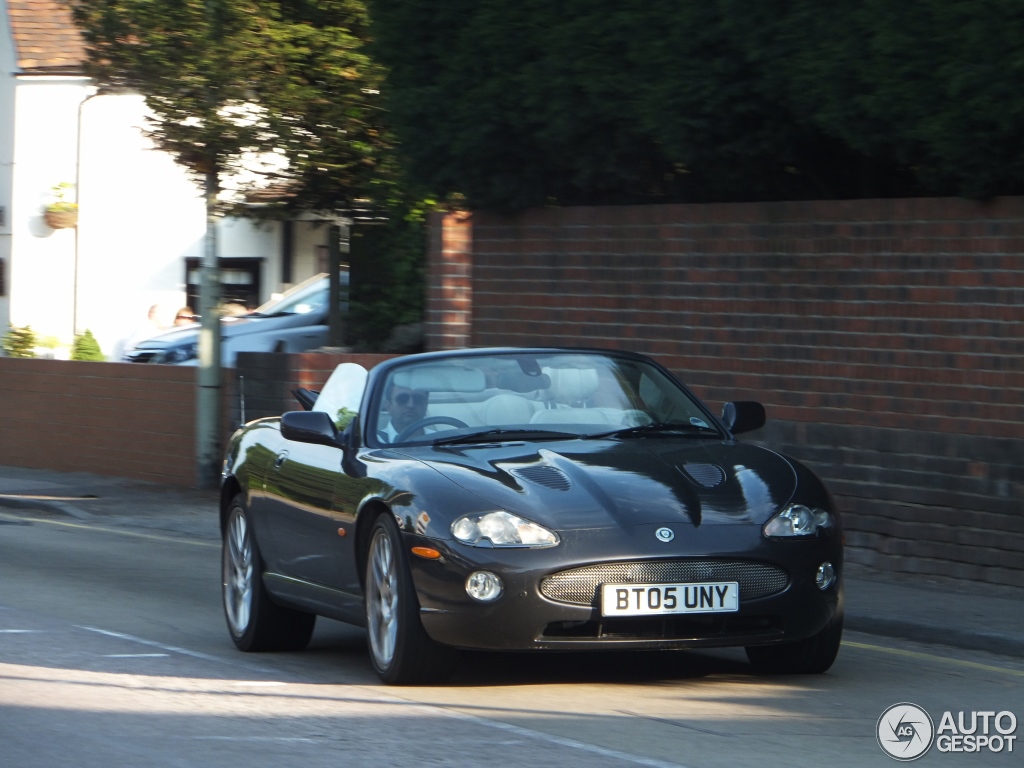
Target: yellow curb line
<point>118,531</point>
<point>932,657</point>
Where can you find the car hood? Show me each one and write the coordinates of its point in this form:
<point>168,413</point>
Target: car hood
<point>229,328</point>
<point>603,483</point>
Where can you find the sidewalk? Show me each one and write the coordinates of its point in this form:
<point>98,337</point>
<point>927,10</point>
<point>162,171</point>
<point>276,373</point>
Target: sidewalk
<point>960,614</point>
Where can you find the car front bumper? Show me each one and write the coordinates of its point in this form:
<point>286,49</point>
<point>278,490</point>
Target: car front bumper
<point>523,618</point>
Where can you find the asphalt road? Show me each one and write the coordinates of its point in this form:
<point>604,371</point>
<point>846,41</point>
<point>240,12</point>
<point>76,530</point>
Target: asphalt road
<point>113,652</point>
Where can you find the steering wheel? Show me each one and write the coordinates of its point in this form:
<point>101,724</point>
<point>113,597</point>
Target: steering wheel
<point>416,426</point>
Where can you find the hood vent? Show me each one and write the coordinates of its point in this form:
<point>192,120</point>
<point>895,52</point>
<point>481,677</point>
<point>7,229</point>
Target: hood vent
<point>542,474</point>
<point>708,475</point>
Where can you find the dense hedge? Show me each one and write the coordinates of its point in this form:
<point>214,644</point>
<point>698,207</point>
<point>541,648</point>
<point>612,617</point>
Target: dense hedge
<point>595,101</point>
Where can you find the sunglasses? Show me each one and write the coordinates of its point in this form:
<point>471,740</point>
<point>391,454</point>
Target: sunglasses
<point>418,398</point>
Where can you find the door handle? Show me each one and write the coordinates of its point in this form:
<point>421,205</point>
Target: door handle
<point>280,460</point>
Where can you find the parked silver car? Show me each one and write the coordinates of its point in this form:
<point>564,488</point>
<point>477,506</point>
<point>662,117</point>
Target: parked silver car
<point>296,322</point>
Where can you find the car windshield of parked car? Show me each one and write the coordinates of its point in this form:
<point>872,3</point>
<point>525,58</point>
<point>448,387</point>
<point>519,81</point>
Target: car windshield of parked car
<point>546,396</point>
<point>308,296</point>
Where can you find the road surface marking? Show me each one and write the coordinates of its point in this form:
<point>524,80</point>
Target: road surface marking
<point>151,644</point>
<point>550,738</point>
<point>285,739</point>
<point>118,531</point>
<point>136,655</point>
<point>934,657</point>
<point>433,709</point>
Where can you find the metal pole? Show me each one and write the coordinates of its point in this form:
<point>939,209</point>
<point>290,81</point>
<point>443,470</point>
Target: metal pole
<point>208,375</point>
<point>335,319</point>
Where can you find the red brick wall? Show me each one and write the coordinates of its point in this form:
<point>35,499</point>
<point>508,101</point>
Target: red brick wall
<point>885,337</point>
<point>137,421</point>
<point>118,419</point>
<point>449,282</point>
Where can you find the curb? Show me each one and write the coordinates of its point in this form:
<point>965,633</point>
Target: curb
<point>935,634</point>
<point>49,505</point>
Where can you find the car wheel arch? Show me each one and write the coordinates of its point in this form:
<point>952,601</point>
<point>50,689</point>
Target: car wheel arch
<point>364,524</point>
<point>228,491</point>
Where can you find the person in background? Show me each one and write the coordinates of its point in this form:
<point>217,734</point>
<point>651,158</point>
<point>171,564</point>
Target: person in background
<point>233,309</point>
<point>184,316</point>
<point>151,327</point>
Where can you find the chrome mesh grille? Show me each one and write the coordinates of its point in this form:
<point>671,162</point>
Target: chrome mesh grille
<point>581,586</point>
<point>708,475</point>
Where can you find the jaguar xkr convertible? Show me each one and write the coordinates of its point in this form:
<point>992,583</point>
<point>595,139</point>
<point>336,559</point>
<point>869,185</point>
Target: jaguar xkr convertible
<point>526,500</point>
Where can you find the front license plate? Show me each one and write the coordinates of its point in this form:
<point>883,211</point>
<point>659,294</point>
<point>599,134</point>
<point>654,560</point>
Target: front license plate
<point>657,599</point>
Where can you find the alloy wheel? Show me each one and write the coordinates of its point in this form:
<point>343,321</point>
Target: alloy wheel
<point>382,600</point>
<point>238,573</point>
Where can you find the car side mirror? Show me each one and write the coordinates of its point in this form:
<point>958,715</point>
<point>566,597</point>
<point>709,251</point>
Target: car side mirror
<point>309,427</point>
<point>743,416</point>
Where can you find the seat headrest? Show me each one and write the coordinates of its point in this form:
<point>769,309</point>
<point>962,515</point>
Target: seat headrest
<point>570,385</point>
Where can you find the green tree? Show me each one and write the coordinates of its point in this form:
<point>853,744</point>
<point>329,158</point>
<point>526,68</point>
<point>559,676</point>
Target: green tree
<point>20,342</point>
<point>605,101</point>
<point>230,83</point>
<point>86,347</point>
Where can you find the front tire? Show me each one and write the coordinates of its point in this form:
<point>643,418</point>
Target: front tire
<point>254,621</point>
<point>805,657</point>
<point>400,649</point>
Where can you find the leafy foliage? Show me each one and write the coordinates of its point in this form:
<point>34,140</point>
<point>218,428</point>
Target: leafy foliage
<point>86,347</point>
<point>59,204</point>
<point>600,101</point>
<point>235,84</point>
<point>387,262</point>
<point>20,342</point>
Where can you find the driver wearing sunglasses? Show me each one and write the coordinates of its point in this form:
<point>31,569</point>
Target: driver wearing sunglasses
<point>405,407</point>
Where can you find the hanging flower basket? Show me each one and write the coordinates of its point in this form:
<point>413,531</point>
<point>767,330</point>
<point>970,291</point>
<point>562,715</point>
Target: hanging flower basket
<point>61,213</point>
<point>61,219</point>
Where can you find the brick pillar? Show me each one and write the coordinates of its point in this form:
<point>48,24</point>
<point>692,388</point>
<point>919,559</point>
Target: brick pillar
<point>449,303</point>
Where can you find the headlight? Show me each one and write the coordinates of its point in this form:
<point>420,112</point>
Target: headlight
<point>183,353</point>
<point>798,520</point>
<point>501,529</point>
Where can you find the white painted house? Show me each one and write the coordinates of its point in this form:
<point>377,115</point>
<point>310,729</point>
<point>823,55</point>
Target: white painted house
<point>141,219</point>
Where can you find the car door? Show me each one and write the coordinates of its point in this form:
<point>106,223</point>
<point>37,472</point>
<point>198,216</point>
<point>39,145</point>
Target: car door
<point>301,519</point>
<point>307,493</point>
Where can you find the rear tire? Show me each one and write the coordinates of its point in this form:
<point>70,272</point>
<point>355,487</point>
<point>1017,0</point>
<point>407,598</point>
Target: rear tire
<point>400,649</point>
<point>805,657</point>
<point>254,621</point>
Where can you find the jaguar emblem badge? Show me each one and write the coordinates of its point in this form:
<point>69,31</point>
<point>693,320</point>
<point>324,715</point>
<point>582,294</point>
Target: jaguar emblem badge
<point>664,534</point>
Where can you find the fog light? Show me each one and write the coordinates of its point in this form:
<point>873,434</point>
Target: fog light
<point>826,576</point>
<point>483,586</point>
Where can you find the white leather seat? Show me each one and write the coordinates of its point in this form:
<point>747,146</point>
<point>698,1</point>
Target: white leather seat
<point>571,386</point>
<point>507,409</point>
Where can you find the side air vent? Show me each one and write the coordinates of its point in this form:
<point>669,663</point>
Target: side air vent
<point>549,477</point>
<point>708,475</point>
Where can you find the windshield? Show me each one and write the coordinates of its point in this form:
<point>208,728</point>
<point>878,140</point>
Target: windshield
<point>308,296</point>
<point>530,397</point>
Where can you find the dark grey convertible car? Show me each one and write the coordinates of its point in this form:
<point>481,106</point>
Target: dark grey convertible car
<point>526,499</point>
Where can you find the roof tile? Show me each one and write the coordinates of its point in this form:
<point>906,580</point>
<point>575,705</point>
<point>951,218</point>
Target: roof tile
<point>45,36</point>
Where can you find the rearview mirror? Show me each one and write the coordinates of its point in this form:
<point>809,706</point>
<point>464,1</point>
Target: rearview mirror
<point>743,416</point>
